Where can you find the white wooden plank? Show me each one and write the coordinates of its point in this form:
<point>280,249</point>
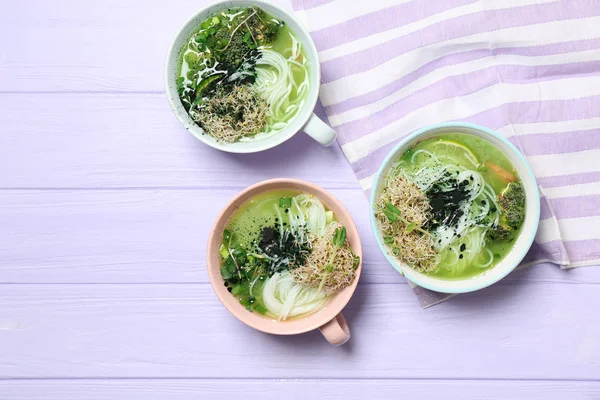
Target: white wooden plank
<point>136,236</point>
<point>182,331</point>
<point>85,46</point>
<point>82,140</point>
<point>184,389</point>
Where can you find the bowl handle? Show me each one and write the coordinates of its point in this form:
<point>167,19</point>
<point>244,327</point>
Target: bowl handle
<point>319,131</point>
<point>336,331</point>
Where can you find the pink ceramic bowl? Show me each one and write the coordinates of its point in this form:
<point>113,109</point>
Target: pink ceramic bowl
<point>329,320</point>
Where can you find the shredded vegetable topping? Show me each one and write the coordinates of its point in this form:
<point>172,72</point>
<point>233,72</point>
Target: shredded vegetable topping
<point>402,206</point>
<point>230,116</point>
<point>316,272</point>
<point>438,208</point>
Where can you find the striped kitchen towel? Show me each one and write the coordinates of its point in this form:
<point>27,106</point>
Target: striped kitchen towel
<point>529,69</point>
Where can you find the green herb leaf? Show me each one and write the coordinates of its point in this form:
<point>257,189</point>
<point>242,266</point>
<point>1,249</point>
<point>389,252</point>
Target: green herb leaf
<point>391,216</point>
<point>285,202</point>
<point>393,209</point>
<point>200,38</point>
<point>339,236</point>
<point>191,59</point>
<point>222,43</point>
<point>411,227</point>
<point>329,268</point>
<point>356,262</point>
<point>396,251</point>
<point>248,40</point>
<point>259,308</point>
<point>237,289</point>
<point>226,272</point>
<point>388,239</point>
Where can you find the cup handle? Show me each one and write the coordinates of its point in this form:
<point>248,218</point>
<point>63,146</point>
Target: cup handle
<point>319,131</point>
<point>336,331</point>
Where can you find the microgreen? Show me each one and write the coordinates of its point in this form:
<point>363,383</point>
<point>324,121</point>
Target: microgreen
<point>339,239</point>
<point>394,214</point>
<point>411,227</point>
<point>356,262</point>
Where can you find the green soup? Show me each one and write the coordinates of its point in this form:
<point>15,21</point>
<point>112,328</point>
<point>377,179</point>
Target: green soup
<point>452,206</point>
<point>284,254</point>
<point>243,75</point>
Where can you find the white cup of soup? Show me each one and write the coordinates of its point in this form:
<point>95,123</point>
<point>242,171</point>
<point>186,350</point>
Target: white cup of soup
<point>454,207</point>
<point>243,76</point>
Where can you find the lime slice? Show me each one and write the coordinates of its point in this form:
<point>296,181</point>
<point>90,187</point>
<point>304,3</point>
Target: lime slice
<point>454,152</point>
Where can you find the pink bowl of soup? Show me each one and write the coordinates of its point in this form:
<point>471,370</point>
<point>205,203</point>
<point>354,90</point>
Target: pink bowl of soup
<point>284,257</point>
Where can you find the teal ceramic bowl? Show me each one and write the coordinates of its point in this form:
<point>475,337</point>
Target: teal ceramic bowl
<point>523,242</point>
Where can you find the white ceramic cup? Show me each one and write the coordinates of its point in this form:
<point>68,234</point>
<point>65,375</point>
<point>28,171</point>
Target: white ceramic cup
<point>305,120</point>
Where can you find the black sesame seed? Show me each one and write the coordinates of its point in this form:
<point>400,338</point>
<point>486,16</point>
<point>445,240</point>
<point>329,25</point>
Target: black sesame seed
<point>461,256</point>
<point>463,247</point>
<point>229,289</point>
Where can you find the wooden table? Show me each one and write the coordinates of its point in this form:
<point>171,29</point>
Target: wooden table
<point>105,207</point>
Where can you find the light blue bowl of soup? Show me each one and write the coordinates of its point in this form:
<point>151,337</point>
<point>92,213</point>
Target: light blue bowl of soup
<point>455,207</point>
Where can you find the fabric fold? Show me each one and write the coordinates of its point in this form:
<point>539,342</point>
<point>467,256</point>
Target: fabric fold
<point>529,69</point>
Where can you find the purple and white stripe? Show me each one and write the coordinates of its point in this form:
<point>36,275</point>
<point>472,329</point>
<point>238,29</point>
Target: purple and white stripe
<point>527,68</point>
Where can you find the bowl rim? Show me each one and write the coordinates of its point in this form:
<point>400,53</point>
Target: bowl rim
<point>438,286</point>
<point>295,326</point>
<point>295,125</point>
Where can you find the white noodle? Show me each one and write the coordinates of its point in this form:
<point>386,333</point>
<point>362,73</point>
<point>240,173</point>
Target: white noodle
<point>284,298</point>
<point>276,84</point>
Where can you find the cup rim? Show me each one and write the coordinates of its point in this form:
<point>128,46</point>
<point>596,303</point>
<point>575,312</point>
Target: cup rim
<point>336,303</point>
<point>297,122</point>
<point>526,238</point>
